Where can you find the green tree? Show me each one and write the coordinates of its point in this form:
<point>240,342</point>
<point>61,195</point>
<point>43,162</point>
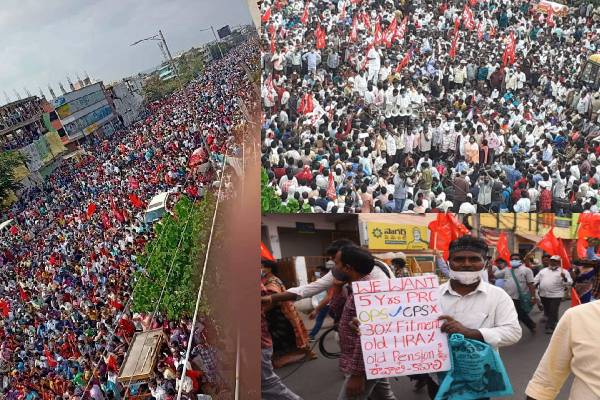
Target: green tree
<point>181,287</point>
<point>9,160</point>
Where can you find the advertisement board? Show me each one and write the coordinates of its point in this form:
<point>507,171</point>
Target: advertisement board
<point>383,236</point>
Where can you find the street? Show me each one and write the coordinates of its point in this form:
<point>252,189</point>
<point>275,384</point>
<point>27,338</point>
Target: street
<point>321,380</point>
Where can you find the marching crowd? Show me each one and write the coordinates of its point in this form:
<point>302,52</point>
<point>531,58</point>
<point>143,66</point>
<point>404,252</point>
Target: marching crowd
<point>416,106</point>
<point>68,261</point>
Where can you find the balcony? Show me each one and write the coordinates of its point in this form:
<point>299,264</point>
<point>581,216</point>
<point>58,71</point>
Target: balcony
<point>531,224</point>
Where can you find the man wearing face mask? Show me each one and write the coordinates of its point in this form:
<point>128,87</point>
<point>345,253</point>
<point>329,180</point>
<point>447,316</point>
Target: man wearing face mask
<point>551,283</point>
<point>524,277</point>
<point>472,307</point>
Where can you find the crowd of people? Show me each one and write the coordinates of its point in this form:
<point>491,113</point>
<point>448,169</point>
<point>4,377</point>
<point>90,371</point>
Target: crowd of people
<point>68,260</point>
<point>416,106</point>
<point>473,285</point>
<point>18,112</point>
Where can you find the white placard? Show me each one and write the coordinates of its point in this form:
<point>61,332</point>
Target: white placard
<point>400,330</point>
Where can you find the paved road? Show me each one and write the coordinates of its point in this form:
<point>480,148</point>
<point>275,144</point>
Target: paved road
<point>321,380</point>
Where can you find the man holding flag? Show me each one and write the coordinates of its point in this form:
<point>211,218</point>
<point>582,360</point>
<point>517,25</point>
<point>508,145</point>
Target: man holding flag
<point>551,283</point>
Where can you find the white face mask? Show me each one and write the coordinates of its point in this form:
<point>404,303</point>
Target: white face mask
<point>465,277</point>
<point>515,263</point>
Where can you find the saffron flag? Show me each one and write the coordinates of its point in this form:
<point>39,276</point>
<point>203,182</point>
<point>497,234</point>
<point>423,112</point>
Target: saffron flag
<point>502,248</point>
<point>265,253</point>
<point>404,62</point>
<point>320,37</point>
<point>564,255</point>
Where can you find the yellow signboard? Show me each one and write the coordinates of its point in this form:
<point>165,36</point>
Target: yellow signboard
<point>397,236</point>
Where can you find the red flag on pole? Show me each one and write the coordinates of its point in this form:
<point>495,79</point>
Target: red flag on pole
<point>266,16</point>
<point>479,31</point>
<point>320,37</point>
<point>23,294</point>
<point>456,25</point>
<point>4,308</point>
<point>549,243</point>
<point>354,31</point>
<point>343,11</point>
<point>404,62</point>
<point>265,253</point>
<point>378,36</point>
<point>135,201</point>
<point>91,209</point>
<point>105,220</point>
<point>331,193</point>
<point>444,230</point>
<point>467,18</point>
<point>550,17</point>
<point>390,33</point>
<point>564,255</point>
<point>13,230</point>
<point>453,46</point>
<point>304,18</point>
<point>575,300</point>
<point>367,21</point>
<point>402,28</point>
<point>502,248</point>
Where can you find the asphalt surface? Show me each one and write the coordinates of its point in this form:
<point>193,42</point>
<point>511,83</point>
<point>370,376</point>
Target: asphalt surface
<point>320,379</point>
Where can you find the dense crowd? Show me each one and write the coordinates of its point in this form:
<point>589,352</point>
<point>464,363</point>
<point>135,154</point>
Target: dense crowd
<point>67,267</point>
<point>415,106</point>
<point>16,113</point>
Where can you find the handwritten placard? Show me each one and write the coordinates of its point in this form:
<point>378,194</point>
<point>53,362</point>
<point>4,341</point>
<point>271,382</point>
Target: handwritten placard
<point>399,326</point>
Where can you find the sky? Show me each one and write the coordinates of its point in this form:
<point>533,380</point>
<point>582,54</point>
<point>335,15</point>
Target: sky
<point>45,41</point>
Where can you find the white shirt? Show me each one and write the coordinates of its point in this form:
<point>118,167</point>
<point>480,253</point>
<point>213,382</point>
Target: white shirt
<point>551,283</point>
<point>326,282</point>
<point>488,309</point>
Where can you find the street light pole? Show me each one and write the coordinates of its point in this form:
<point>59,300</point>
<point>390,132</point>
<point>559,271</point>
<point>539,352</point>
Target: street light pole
<point>218,43</point>
<point>170,58</point>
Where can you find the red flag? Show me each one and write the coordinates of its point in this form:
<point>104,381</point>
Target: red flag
<point>320,37</point>
<point>456,25</point>
<point>23,294</point>
<point>472,3</point>
<point>390,33</point>
<point>265,253</point>
<point>401,31</point>
<point>404,62</point>
<point>4,308</point>
<point>354,30</point>
<point>549,243</point>
<point>582,247</point>
<point>133,183</point>
<point>550,17</point>
<point>53,260</point>
<point>331,193</point>
<point>444,230</point>
<point>119,215</point>
<point>453,46</point>
<point>13,230</point>
<point>508,57</point>
<point>467,18</point>
<point>266,16</point>
<point>91,210</point>
<point>304,18</point>
<point>492,31</point>
<point>51,361</point>
<point>106,221</point>
<point>137,203</point>
<point>564,255</point>
<point>479,31</point>
<point>367,21</point>
<point>575,300</point>
<point>273,46</point>
<point>306,104</point>
<point>378,37</point>
<point>502,248</point>
<point>343,12</point>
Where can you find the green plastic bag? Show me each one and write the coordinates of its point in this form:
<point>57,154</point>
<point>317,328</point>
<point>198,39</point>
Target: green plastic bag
<point>477,372</point>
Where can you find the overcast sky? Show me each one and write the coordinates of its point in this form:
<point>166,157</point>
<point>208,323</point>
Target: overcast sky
<point>43,42</point>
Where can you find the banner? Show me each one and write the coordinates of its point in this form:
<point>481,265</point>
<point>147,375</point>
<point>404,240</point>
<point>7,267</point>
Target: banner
<point>384,236</point>
<point>399,328</point>
<point>42,148</point>
<point>55,143</point>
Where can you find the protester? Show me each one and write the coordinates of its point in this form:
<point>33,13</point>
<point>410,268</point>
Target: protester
<point>573,349</point>
<point>68,264</point>
<point>373,102</point>
<point>354,264</point>
<point>518,282</point>
<point>290,338</point>
<point>551,283</point>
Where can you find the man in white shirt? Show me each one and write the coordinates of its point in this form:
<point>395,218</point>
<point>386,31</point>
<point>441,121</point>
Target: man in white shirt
<point>574,348</point>
<point>551,283</point>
